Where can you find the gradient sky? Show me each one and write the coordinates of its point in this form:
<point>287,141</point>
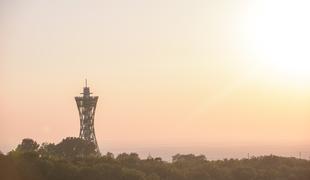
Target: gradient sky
<point>168,73</point>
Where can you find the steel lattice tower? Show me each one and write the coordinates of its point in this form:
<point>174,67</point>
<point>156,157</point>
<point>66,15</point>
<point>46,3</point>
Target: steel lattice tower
<point>87,106</point>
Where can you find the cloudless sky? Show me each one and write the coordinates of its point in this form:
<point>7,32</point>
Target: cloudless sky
<point>171,75</point>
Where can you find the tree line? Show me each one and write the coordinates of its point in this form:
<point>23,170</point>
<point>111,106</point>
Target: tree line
<point>77,159</point>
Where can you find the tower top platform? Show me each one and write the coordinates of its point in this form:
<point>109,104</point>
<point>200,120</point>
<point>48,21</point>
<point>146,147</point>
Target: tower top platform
<point>86,90</point>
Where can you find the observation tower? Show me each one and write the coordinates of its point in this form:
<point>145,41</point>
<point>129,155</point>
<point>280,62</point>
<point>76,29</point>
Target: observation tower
<point>87,106</point>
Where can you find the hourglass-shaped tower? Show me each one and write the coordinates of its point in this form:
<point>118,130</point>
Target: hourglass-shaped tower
<point>87,106</point>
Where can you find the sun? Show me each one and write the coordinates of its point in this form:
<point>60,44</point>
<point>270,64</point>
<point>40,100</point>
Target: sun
<point>278,33</point>
<point>290,68</point>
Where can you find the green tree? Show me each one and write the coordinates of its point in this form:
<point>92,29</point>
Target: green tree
<point>47,150</point>
<point>110,155</point>
<point>72,147</point>
<point>129,159</point>
<point>152,176</point>
<point>132,174</point>
<point>27,145</point>
<point>188,157</point>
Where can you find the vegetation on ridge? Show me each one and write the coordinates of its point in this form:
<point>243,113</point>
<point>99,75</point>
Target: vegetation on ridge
<point>76,159</point>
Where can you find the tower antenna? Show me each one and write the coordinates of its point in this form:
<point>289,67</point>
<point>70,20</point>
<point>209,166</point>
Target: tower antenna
<point>85,82</point>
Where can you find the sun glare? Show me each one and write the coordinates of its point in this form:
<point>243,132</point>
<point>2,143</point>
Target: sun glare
<point>279,36</point>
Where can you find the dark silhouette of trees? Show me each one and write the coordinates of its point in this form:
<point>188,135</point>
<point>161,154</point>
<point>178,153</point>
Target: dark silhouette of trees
<point>72,147</point>
<point>27,145</point>
<point>188,158</point>
<point>75,159</point>
<point>48,150</point>
<point>131,159</point>
<point>110,155</point>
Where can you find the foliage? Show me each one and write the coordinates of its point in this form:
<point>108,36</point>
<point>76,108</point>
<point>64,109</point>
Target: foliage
<point>74,159</point>
<point>72,147</point>
<point>27,145</point>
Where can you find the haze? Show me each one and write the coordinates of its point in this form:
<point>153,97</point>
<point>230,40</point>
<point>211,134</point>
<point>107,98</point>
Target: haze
<point>222,78</point>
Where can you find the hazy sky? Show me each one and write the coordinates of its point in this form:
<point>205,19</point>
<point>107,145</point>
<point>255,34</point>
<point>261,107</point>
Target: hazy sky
<point>168,73</point>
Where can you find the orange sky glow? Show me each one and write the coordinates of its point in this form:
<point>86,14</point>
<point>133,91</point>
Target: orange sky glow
<point>202,76</point>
